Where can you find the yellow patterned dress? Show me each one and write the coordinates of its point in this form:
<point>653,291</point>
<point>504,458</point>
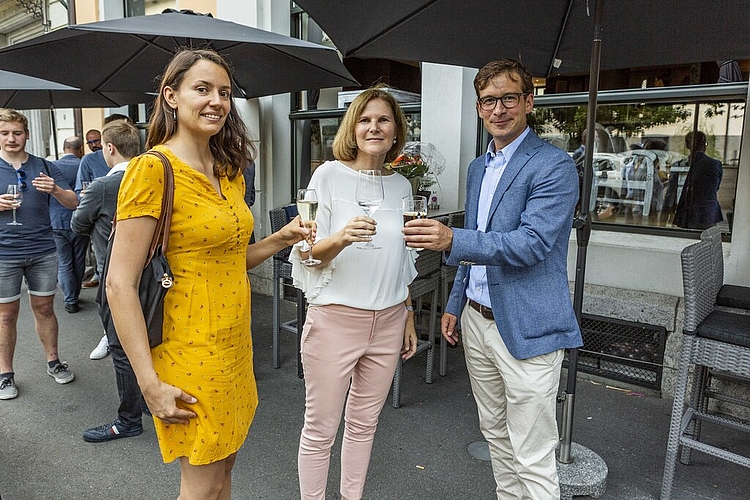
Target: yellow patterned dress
<point>207,348</point>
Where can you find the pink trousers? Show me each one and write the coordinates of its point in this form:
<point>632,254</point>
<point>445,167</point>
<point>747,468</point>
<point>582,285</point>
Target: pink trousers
<point>345,349</point>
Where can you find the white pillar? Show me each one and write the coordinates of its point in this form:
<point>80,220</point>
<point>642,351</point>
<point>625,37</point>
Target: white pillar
<point>267,118</point>
<point>737,269</point>
<point>449,121</point>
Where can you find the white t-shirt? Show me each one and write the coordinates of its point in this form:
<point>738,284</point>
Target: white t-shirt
<point>365,279</point>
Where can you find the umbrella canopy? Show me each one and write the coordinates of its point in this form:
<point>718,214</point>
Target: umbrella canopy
<point>536,32</point>
<point>47,99</point>
<point>132,53</point>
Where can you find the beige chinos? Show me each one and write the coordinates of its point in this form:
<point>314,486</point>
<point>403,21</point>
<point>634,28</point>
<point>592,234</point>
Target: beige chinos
<point>516,404</point>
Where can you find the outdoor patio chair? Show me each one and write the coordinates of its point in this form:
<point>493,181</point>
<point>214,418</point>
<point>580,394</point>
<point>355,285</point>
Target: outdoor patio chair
<point>713,339</point>
<point>282,276</point>
<point>727,296</point>
<point>426,282</point>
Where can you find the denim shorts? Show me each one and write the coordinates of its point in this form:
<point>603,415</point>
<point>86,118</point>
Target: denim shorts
<point>40,274</point>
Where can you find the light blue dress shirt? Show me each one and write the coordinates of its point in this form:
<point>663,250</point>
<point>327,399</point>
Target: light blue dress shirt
<point>494,166</point>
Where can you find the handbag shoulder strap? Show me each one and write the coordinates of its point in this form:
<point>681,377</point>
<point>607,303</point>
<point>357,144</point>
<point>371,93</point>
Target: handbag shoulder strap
<point>161,233</point>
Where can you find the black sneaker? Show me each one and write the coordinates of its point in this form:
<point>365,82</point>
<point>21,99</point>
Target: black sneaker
<point>72,308</point>
<point>112,430</point>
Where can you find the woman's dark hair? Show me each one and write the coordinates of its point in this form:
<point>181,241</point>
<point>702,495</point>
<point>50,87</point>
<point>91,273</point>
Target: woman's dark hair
<point>231,146</point>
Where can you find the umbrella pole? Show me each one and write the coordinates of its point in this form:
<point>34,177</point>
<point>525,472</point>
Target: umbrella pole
<point>582,225</point>
<point>53,120</point>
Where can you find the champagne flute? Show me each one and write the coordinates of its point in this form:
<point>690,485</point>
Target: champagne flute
<point>415,207</point>
<point>17,195</point>
<point>307,208</point>
<point>369,194</point>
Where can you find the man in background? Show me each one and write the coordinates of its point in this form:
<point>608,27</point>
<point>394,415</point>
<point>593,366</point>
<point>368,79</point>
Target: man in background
<point>92,167</point>
<point>27,248</point>
<point>94,216</point>
<point>71,247</point>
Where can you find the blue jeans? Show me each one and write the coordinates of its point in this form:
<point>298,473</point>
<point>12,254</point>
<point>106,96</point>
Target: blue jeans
<point>40,274</point>
<point>71,264</point>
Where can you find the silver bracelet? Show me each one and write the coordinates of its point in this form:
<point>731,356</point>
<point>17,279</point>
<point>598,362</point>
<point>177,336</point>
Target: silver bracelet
<point>410,308</point>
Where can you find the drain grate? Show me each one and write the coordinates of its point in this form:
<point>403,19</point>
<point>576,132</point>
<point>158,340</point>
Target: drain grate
<point>622,350</point>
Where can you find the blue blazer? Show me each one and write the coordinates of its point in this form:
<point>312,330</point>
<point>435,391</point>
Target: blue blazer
<point>525,249</point>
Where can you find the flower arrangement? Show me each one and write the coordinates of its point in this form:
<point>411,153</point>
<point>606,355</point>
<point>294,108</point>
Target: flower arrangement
<point>410,166</point>
<point>417,160</point>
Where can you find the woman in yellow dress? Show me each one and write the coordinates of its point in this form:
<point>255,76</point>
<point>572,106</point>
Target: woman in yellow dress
<point>199,382</point>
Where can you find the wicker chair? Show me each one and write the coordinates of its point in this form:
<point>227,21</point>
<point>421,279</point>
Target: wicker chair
<point>713,339</point>
<point>727,296</point>
<point>282,275</point>
<point>427,282</point>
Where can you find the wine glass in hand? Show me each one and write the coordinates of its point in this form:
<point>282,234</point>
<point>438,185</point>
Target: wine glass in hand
<point>369,195</point>
<point>17,196</point>
<point>414,207</point>
<point>307,208</point>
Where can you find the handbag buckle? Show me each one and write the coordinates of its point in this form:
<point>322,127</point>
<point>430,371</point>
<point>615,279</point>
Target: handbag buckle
<point>166,281</point>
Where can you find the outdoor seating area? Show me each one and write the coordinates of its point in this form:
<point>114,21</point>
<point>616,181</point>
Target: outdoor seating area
<point>716,346</point>
<point>595,178</point>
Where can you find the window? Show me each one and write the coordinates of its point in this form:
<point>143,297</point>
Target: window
<point>644,174</point>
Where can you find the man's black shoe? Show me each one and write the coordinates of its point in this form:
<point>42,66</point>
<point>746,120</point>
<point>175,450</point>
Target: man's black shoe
<point>112,430</point>
<point>72,308</point>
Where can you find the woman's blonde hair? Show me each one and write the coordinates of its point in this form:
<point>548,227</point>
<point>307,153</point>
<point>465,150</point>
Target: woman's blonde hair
<point>345,142</point>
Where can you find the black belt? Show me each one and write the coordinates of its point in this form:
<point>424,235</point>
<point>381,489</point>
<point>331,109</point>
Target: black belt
<point>485,311</point>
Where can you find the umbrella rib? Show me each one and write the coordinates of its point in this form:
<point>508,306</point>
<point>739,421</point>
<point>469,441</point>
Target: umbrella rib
<point>353,52</point>
<point>560,37</point>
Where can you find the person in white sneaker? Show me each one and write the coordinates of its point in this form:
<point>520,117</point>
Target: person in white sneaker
<point>120,142</point>
<point>27,246</point>
<point>101,350</point>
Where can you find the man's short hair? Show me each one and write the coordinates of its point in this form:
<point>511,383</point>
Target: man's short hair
<point>116,116</point>
<point>124,136</point>
<point>511,68</point>
<point>73,143</point>
<point>11,115</point>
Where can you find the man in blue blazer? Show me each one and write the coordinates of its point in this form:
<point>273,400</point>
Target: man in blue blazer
<point>512,258</point>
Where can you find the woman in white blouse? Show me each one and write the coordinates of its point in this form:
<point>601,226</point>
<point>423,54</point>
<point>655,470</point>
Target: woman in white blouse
<point>360,316</point>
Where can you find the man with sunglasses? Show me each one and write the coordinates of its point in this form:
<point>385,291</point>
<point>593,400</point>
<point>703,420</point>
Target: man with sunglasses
<point>27,249</point>
<point>511,289</point>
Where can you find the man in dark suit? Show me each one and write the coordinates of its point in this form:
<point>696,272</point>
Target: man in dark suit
<point>94,216</point>
<point>71,247</point>
<point>512,258</point>
<point>698,206</point>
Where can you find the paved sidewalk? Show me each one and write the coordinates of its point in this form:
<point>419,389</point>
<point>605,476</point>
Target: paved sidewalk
<point>420,450</point>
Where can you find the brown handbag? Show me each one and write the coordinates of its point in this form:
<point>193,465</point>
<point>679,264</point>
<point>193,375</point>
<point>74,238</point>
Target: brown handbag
<point>156,278</point>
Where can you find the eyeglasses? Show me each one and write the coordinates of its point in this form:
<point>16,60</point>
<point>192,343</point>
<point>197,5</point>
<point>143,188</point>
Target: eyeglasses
<point>22,180</point>
<point>509,101</point>
<point>93,141</point>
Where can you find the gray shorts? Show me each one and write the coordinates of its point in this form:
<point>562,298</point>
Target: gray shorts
<point>40,274</point>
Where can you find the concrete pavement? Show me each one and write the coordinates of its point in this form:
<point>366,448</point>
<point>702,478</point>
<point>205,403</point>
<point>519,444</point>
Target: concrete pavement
<point>420,449</point>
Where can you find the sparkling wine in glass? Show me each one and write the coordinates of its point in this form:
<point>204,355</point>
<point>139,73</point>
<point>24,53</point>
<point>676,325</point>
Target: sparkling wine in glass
<point>17,195</point>
<point>414,207</point>
<point>369,194</point>
<point>307,208</point>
